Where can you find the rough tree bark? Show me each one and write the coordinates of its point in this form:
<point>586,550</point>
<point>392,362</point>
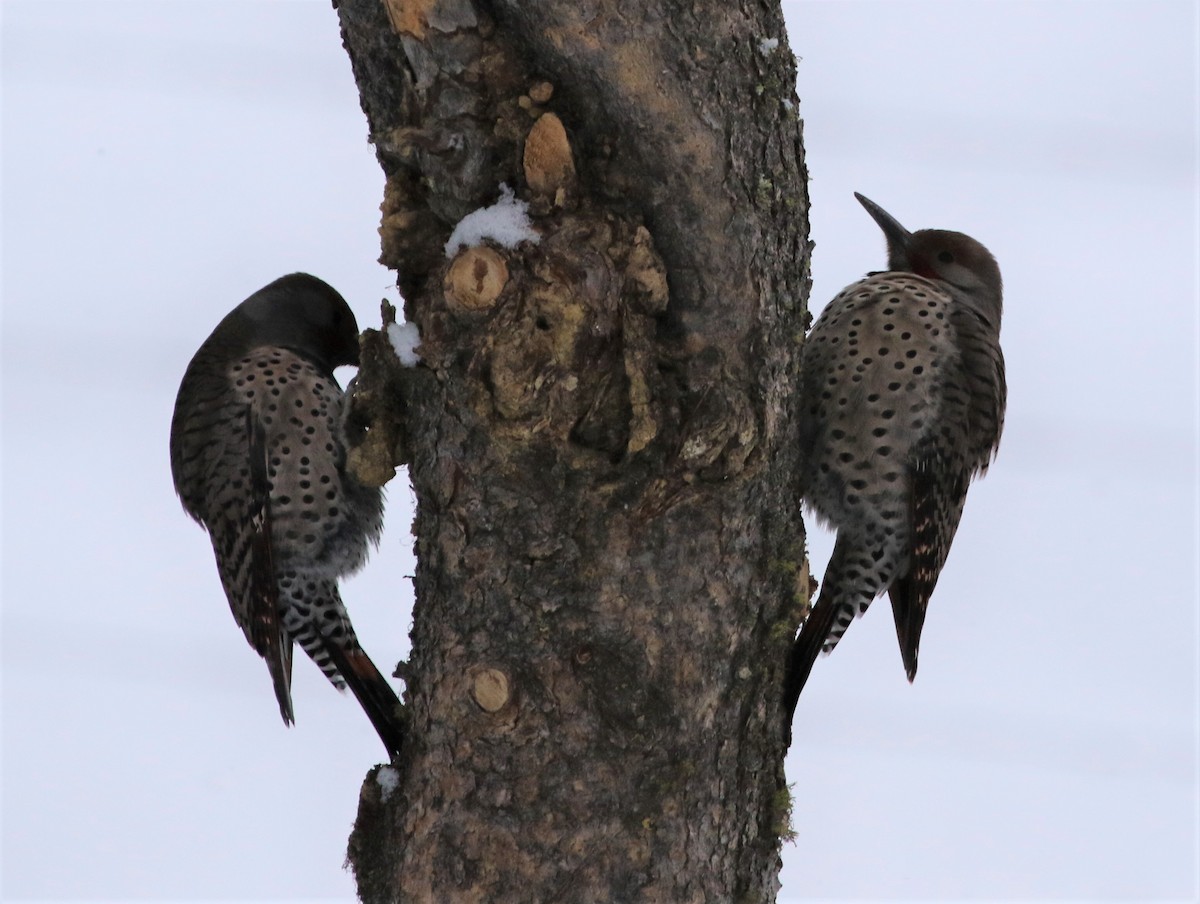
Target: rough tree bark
<point>601,440</point>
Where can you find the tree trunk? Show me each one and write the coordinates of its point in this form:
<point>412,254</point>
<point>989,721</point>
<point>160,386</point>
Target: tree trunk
<point>601,437</point>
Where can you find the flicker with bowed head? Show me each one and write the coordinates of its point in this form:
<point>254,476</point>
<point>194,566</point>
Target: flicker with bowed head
<point>903,396</point>
<point>258,455</point>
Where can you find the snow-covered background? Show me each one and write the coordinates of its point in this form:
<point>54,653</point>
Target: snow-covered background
<point>163,160</point>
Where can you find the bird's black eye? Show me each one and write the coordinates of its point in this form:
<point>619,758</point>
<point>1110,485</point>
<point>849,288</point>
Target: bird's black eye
<point>945,257</point>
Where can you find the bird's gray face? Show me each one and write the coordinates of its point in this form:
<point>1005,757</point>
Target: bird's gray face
<point>940,254</point>
<point>962,262</point>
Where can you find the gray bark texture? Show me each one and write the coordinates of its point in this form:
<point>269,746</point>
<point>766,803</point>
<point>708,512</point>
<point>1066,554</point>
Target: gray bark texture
<point>601,437</point>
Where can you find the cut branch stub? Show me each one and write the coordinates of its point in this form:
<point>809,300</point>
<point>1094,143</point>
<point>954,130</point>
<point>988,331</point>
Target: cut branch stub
<point>490,688</point>
<point>475,279</point>
<point>549,169</point>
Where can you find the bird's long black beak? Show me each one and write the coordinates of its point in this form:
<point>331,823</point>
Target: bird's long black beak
<point>898,238</point>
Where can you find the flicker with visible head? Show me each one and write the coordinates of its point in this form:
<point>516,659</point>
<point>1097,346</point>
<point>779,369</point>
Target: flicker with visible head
<point>258,455</point>
<point>903,396</point>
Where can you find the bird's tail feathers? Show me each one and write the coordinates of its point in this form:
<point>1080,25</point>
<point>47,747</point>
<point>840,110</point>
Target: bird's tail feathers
<point>805,650</point>
<point>279,663</point>
<point>909,611</point>
<point>372,691</point>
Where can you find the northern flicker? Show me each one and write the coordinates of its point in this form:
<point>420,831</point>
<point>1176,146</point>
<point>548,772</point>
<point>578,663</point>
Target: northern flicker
<point>903,395</point>
<point>258,456</point>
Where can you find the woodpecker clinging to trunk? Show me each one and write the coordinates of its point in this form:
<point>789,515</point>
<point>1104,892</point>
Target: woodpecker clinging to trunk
<point>903,396</point>
<point>258,456</point>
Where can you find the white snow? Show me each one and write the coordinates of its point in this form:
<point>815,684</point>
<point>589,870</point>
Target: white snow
<point>506,223</point>
<point>388,779</point>
<point>405,339</point>
<point>766,45</point>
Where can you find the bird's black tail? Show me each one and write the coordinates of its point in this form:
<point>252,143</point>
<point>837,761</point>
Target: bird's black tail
<point>908,608</point>
<point>372,691</point>
<point>804,653</point>
<point>279,663</point>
